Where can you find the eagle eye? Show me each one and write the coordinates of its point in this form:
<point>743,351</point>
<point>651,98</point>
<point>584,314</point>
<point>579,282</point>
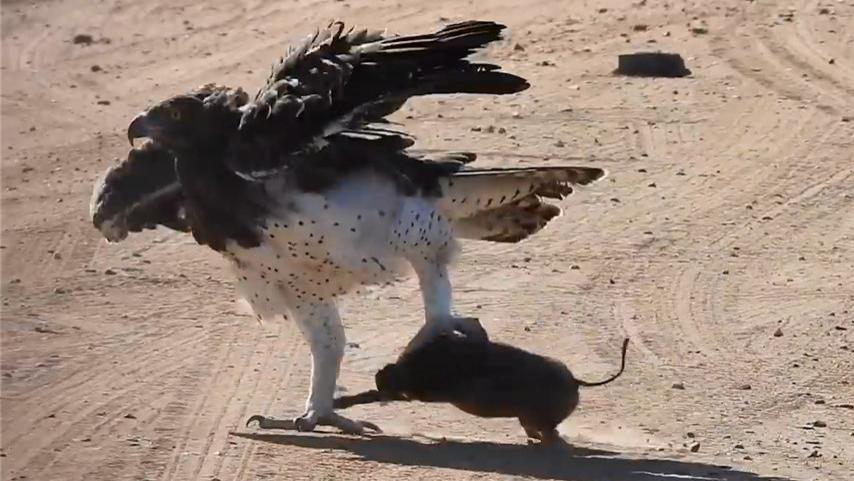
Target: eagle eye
<point>176,114</point>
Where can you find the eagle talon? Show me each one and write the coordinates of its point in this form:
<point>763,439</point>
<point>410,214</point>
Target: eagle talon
<point>265,422</point>
<point>468,327</point>
<point>256,417</point>
<point>305,424</point>
<point>471,328</point>
<point>348,426</point>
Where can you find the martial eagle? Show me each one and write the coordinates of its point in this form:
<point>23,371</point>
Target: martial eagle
<point>308,196</point>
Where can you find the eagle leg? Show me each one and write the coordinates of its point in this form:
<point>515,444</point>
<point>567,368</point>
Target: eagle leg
<point>321,327</point>
<point>436,292</point>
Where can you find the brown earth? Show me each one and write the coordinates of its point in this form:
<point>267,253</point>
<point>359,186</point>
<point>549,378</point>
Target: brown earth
<point>728,215</point>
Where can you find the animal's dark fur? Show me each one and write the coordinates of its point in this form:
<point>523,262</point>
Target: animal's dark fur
<point>486,379</point>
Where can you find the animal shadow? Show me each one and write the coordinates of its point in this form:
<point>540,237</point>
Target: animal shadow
<point>564,462</point>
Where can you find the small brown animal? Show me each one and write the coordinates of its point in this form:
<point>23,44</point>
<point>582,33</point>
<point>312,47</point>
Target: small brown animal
<point>487,379</point>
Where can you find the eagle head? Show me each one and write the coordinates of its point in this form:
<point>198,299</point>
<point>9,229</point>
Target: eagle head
<point>177,123</point>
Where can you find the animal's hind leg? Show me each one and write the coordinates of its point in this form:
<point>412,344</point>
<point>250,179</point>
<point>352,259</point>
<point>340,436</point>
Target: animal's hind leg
<point>546,432</point>
<point>532,431</point>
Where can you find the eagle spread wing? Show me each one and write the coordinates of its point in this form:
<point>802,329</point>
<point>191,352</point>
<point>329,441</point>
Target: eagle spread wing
<point>338,81</point>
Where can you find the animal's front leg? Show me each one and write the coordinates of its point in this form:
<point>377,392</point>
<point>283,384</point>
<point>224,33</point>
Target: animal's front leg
<point>321,326</point>
<point>437,294</point>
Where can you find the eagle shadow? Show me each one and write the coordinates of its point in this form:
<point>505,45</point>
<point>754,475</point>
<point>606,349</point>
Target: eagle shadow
<point>567,462</point>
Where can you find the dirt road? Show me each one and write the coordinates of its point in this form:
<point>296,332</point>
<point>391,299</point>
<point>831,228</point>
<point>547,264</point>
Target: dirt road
<point>722,243</point>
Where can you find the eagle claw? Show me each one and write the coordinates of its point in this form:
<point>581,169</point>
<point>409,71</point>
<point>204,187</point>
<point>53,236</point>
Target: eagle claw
<point>271,423</point>
<point>468,327</point>
<point>306,424</point>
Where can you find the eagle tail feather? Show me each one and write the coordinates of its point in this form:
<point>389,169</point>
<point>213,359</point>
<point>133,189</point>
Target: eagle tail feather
<point>507,205</point>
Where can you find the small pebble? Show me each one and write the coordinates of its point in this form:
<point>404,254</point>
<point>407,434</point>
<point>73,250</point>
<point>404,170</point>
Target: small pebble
<point>83,39</point>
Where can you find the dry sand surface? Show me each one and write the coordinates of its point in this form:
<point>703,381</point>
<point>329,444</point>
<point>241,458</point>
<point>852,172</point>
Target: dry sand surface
<point>722,243</point>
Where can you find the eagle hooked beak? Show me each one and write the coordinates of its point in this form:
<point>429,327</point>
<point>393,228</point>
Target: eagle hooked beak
<point>139,127</point>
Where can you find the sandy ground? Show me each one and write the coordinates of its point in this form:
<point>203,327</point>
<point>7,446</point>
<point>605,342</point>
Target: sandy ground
<point>722,244</point>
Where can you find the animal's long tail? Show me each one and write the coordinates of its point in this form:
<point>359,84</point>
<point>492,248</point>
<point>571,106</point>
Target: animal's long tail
<point>615,376</point>
<point>506,205</point>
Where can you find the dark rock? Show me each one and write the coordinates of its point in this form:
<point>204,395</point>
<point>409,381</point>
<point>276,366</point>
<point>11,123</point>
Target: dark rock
<point>652,64</point>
